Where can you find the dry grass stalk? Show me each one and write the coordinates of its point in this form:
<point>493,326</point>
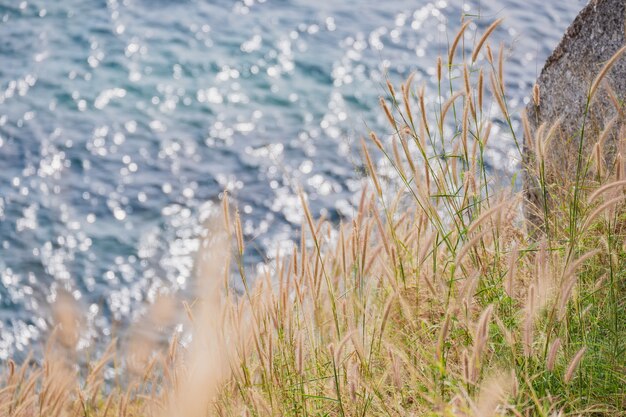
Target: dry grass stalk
<point>604,189</point>
<point>439,65</point>
<point>455,42</point>
<point>604,71</point>
<point>480,88</point>
<point>497,93</point>
<point>536,95</point>
<point>554,349</point>
<point>390,118</point>
<point>501,67</point>
<point>573,365</point>
<point>614,99</point>
<point>484,38</point>
<point>600,210</point>
<point>446,106</point>
<point>370,168</point>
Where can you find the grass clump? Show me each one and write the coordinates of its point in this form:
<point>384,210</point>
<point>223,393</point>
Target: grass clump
<point>432,301</point>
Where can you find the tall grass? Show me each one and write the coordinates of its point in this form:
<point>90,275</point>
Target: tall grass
<point>433,300</point>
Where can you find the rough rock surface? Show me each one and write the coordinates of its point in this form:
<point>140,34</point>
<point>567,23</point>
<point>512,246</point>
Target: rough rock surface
<point>590,41</point>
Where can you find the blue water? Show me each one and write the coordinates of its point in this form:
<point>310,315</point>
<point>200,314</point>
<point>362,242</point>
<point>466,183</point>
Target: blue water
<point>121,121</point>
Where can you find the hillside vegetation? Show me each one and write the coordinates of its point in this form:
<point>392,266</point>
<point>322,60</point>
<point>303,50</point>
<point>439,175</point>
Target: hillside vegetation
<point>436,299</point>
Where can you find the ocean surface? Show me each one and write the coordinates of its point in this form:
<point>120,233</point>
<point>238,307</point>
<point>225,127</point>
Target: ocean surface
<point>122,121</point>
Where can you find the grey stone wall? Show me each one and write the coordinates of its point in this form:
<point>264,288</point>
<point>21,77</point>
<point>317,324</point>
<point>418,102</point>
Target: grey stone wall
<point>590,41</point>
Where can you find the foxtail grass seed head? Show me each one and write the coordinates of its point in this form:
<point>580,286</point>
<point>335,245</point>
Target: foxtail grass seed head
<point>455,42</point>
<point>354,338</point>
<point>397,159</point>
<point>407,154</point>
<point>308,217</point>
<point>483,39</point>
<point>376,141</point>
<point>497,93</point>
<point>465,126</point>
<point>489,54</point>
<point>613,97</point>
<point>421,137</point>
<point>492,394</point>
<point>407,97</point>
<point>470,100</point>
<point>511,271</point>
<point>528,323</point>
<point>539,145</point>
<point>564,296</point>
<point>486,134</point>
<point>446,106</point>
<point>501,67</point>
<point>427,176</point>
<point>66,314</point>
<point>606,132</point>
<point>11,369</point>
<point>443,335</point>
<point>528,334</point>
<point>439,64</point>
<point>409,82</point>
<point>370,168</point>
<point>600,210</point>
<point>599,163</point>
<point>352,390</point>
<point>551,134</point>
<point>482,329</point>
<point>528,136</point>
<point>226,211</point>
<point>506,333</point>
<point>396,371</point>
<point>604,71</point>
<point>341,347</point>
<point>382,232</point>
<point>392,91</point>
<point>480,88</point>
<point>466,81</point>
<point>552,353</point>
<point>239,232</point>
<point>573,365</point>
<point>386,313</point>
<point>465,361</point>
<point>385,108</point>
<point>423,110</point>
<point>536,95</point>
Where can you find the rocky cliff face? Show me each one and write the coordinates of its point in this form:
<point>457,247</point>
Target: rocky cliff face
<point>596,34</point>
